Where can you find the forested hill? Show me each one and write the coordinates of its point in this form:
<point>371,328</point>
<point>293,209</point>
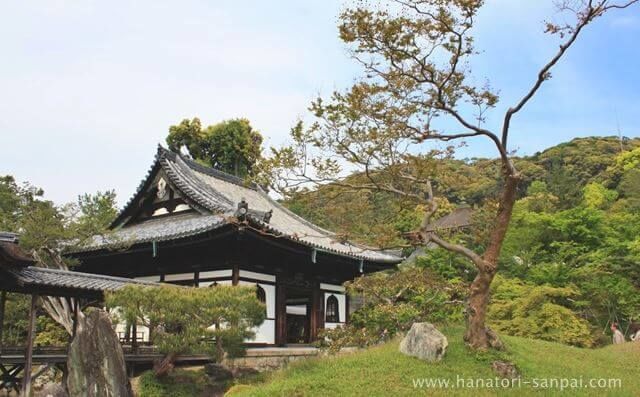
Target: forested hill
<point>570,263</point>
<point>569,167</point>
<point>564,169</point>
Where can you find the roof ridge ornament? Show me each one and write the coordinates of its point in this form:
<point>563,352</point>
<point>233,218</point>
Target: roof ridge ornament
<point>243,209</point>
<point>267,216</point>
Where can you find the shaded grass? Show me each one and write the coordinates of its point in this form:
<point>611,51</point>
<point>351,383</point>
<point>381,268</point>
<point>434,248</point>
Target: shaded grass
<point>383,371</point>
<point>187,382</point>
<point>180,383</point>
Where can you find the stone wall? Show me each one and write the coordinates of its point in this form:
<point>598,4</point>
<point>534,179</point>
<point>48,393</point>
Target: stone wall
<point>270,358</point>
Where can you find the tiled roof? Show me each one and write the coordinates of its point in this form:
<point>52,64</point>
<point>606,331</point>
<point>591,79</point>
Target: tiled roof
<point>43,277</point>
<point>218,193</point>
<point>10,252</point>
<point>157,229</point>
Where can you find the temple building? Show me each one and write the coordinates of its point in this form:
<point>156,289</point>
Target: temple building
<point>193,225</point>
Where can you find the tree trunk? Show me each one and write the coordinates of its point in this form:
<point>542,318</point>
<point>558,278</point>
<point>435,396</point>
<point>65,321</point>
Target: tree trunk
<point>95,361</point>
<point>478,335</point>
<point>162,367</point>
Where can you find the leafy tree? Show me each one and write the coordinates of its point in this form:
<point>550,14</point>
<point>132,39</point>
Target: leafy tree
<point>590,248</point>
<point>96,211</point>
<point>183,319</point>
<point>16,323</point>
<point>232,146</point>
<point>12,201</point>
<point>47,229</point>
<point>607,297</point>
<point>540,312</point>
<point>416,55</point>
<point>598,196</point>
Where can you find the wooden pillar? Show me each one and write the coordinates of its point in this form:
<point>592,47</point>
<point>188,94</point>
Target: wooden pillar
<point>235,274</point>
<point>317,313</point>
<point>239,257</point>
<point>281,315</point>
<point>134,341</point>
<point>26,380</point>
<point>347,303</point>
<point>3,300</point>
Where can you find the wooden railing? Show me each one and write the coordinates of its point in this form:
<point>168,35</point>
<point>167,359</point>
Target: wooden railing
<point>143,349</point>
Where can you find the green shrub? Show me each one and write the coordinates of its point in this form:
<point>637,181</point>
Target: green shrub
<point>537,311</point>
<point>392,302</point>
<point>181,383</point>
<point>180,318</point>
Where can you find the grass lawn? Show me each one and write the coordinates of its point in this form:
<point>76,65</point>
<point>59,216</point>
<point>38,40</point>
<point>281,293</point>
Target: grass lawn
<point>185,382</point>
<point>383,371</point>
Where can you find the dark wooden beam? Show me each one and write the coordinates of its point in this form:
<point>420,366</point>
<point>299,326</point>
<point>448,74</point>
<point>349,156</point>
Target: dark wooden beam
<point>315,312</point>
<point>3,300</point>
<point>26,379</point>
<point>281,315</point>
<point>134,342</point>
<point>235,274</point>
<point>346,308</point>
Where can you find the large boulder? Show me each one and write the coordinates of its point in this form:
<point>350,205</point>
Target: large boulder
<point>425,342</point>
<point>95,360</point>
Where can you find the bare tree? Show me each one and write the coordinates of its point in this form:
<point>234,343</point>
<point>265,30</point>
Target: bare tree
<point>60,309</point>
<point>415,55</point>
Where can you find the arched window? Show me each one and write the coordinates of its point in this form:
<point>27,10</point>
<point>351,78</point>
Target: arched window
<point>333,312</point>
<point>260,294</point>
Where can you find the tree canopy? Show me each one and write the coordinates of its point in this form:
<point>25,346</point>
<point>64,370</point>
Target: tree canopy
<point>45,230</point>
<point>232,146</point>
<point>416,59</point>
<point>185,320</point>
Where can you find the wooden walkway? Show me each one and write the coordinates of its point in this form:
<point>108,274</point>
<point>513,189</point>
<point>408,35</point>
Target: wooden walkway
<point>60,357</point>
<point>13,362</point>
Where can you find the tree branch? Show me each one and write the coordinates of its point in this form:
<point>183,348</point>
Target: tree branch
<point>589,15</point>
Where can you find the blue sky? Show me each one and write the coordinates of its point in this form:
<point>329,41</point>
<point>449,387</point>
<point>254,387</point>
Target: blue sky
<point>88,89</point>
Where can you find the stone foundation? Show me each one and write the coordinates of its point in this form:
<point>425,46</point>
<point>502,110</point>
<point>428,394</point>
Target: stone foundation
<point>270,358</point>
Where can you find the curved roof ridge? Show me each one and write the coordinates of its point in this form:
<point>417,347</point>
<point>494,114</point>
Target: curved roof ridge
<point>140,189</point>
<point>204,196</point>
<point>217,173</point>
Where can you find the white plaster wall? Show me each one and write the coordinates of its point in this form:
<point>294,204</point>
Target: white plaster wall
<point>180,277</point>
<point>266,332</point>
<point>270,295</point>
<point>149,278</point>
<point>215,273</point>
<point>257,276</point>
<point>203,284</point>
<point>332,287</point>
<point>300,310</point>
<point>121,329</point>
